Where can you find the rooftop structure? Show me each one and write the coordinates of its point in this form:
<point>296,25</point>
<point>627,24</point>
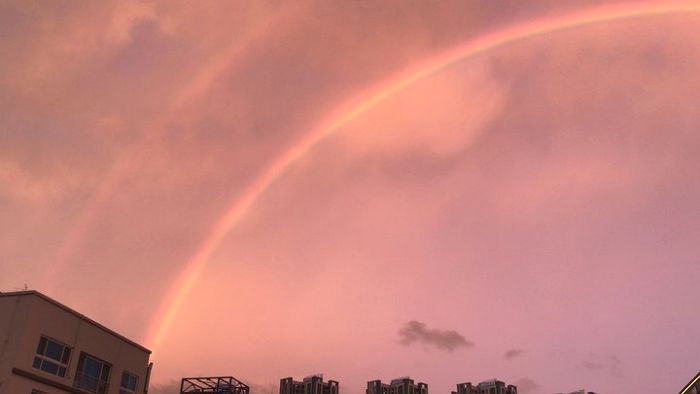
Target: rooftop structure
<point>215,385</point>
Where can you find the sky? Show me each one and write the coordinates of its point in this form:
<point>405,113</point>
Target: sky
<point>455,190</point>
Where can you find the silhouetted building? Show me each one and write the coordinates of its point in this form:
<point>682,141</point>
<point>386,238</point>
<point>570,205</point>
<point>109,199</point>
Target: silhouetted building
<point>213,385</point>
<point>493,386</point>
<point>46,347</point>
<point>402,385</point>
<point>313,384</point>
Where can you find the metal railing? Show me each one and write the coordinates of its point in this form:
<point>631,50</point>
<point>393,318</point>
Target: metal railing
<point>214,385</point>
<point>90,383</point>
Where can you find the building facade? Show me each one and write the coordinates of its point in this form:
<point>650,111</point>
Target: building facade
<point>493,386</point>
<point>48,348</point>
<point>313,384</point>
<point>402,385</point>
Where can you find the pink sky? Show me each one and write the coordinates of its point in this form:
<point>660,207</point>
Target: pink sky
<point>533,206</point>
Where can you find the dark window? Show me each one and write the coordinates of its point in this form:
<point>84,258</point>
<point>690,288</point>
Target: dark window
<point>92,374</point>
<point>52,356</point>
<point>128,383</point>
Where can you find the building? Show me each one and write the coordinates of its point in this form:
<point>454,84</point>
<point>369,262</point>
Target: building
<point>313,384</point>
<point>466,388</point>
<point>402,385</point>
<point>493,386</point>
<point>48,348</point>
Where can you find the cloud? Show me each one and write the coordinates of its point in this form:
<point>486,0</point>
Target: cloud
<point>609,363</point>
<point>526,385</point>
<point>592,366</point>
<point>469,99</point>
<point>172,387</point>
<point>566,156</point>
<point>270,388</point>
<point>448,340</point>
<point>22,184</point>
<point>512,353</point>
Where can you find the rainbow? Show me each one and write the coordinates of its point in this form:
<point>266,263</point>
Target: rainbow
<point>358,105</point>
<point>196,87</point>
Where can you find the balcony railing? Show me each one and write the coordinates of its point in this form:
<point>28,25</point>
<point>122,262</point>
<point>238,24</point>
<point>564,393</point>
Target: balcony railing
<point>90,383</point>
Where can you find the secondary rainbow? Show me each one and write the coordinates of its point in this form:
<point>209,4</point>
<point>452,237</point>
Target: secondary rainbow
<point>130,162</point>
<point>360,104</point>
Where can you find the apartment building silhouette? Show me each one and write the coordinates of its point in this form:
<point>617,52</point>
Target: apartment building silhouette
<point>312,384</point>
<point>402,385</point>
<point>493,386</point>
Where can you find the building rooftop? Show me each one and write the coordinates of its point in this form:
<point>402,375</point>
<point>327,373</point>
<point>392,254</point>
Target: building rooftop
<point>75,313</point>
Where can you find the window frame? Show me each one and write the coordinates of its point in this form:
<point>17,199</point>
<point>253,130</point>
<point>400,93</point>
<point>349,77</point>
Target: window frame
<point>102,385</point>
<point>62,365</point>
<point>126,390</point>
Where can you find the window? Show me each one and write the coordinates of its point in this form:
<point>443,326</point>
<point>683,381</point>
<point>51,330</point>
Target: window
<point>128,384</point>
<point>52,357</point>
<point>92,374</point>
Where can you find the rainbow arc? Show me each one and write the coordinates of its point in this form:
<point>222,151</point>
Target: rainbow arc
<point>360,104</point>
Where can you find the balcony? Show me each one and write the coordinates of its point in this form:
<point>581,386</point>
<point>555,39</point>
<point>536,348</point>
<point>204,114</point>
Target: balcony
<point>90,383</point>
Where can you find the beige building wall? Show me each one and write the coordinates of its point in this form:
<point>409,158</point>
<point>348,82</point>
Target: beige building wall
<point>27,316</point>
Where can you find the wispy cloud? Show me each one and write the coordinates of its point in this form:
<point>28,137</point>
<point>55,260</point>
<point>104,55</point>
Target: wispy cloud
<point>526,385</point>
<point>609,363</point>
<point>417,332</point>
<point>172,387</point>
<point>512,353</point>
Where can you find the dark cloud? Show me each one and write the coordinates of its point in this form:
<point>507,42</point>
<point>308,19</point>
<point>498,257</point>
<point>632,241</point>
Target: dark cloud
<point>609,363</point>
<point>592,366</point>
<point>512,353</point>
<point>448,340</point>
<point>526,385</point>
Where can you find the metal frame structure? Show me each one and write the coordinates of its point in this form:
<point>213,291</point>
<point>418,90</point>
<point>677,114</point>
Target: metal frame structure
<point>214,385</point>
<point>693,384</point>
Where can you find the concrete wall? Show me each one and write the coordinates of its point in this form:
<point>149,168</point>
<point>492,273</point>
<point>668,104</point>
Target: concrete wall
<point>36,316</point>
<point>12,322</point>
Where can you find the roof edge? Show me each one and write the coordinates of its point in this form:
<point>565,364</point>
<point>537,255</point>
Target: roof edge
<point>75,313</point>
